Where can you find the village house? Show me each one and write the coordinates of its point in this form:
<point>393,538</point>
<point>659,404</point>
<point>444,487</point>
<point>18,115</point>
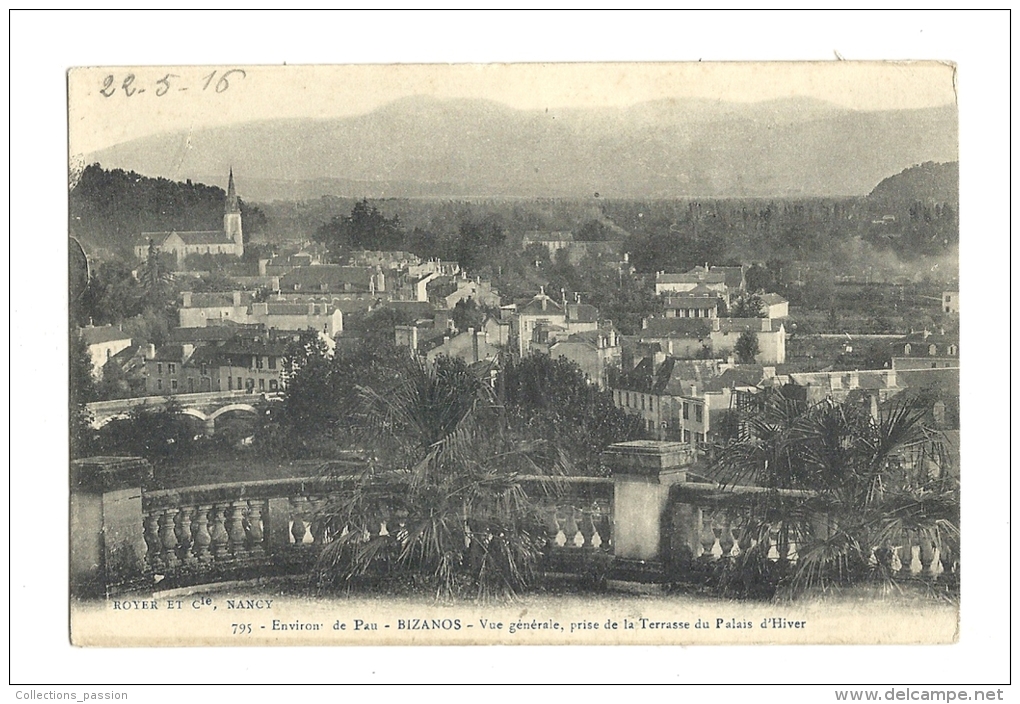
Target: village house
<point>715,337</point>
<point>555,319</point>
<point>595,352</point>
<point>926,350</point>
<point>103,343</point>
<point>699,302</point>
<point>951,302</point>
<point>688,281</point>
<point>481,292</point>
<point>775,305</point>
<point>653,388</point>
<point>333,278</point>
<point>197,307</point>
<point>253,360</point>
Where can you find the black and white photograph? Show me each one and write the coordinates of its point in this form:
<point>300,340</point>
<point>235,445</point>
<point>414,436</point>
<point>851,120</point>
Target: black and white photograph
<point>464,354</point>
<point>586,342</point>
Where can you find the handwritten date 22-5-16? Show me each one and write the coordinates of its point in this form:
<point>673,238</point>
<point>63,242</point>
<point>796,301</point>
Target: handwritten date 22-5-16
<point>129,84</point>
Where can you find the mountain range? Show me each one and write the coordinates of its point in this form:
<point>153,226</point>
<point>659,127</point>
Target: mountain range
<point>672,148</point>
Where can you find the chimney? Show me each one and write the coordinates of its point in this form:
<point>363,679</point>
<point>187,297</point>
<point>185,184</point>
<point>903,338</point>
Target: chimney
<point>890,378</point>
<point>186,296</point>
<point>274,284</point>
<point>237,298</point>
<point>150,351</point>
<point>263,263</point>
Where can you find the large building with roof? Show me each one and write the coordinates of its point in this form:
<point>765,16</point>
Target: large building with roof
<point>229,240</point>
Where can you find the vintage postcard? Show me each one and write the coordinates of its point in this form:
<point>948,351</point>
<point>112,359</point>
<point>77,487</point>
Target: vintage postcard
<point>536,354</point>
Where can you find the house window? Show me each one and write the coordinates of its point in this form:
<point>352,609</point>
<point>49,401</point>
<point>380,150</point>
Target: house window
<point>262,384</point>
<point>258,362</point>
<point>272,362</point>
<point>191,385</point>
<point>687,411</point>
<point>172,368</point>
<point>934,364</point>
<point>906,348</point>
<point>205,370</point>
<point>698,417</point>
<point>932,350</point>
<point>642,402</point>
<point>173,384</point>
<point>687,436</point>
<point>273,386</point>
<point>230,383</point>
<point>239,384</point>
<point>159,367</point>
<point>159,384</point>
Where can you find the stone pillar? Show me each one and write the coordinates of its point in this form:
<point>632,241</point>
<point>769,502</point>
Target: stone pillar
<point>107,524</point>
<point>643,471</point>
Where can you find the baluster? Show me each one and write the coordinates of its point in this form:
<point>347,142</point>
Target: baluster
<point>318,525</point>
<point>586,528</point>
<point>726,540</point>
<point>896,562</point>
<point>604,527</point>
<point>153,543</point>
<point>552,527</point>
<point>254,527</point>
<point>183,532</point>
<point>773,553</point>
<point>570,530</point>
<point>297,527</point>
<point>927,555</point>
<point>235,527</point>
<point>219,539</point>
<point>561,528</point>
<point>707,537</point>
<point>915,559</point>
<point>168,537</point>
<point>200,536</point>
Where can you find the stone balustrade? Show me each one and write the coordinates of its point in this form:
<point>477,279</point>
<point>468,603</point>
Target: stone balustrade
<point>646,519</point>
<point>706,525</point>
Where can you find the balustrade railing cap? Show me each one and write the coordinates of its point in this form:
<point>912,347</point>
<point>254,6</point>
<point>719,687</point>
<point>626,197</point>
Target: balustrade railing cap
<point>109,473</point>
<point>649,457</point>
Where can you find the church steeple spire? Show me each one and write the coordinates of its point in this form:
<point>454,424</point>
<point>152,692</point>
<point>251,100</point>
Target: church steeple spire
<point>232,206</point>
<point>232,216</point>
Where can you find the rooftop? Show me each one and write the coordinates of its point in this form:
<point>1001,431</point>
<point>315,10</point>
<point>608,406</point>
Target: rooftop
<point>103,333</point>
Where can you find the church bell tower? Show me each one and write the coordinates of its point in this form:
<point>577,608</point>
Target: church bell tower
<point>232,216</point>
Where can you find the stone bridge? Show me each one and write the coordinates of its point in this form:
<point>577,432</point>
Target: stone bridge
<point>205,407</point>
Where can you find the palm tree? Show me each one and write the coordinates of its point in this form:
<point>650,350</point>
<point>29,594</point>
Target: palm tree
<point>440,501</point>
<point>879,485</point>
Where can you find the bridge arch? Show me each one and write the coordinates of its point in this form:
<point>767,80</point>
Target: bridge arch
<point>247,408</point>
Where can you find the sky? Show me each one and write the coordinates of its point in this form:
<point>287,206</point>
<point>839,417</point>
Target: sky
<point>113,105</point>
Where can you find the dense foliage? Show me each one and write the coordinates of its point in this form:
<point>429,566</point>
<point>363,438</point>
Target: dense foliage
<point>440,501</point>
<point>111,208</point>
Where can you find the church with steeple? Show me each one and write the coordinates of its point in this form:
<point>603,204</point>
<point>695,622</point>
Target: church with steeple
<point>230,240</point>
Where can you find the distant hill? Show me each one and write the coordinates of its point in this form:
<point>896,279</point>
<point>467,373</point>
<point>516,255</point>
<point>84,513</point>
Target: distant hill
<point>926,183</point>
<point>427,147</point>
